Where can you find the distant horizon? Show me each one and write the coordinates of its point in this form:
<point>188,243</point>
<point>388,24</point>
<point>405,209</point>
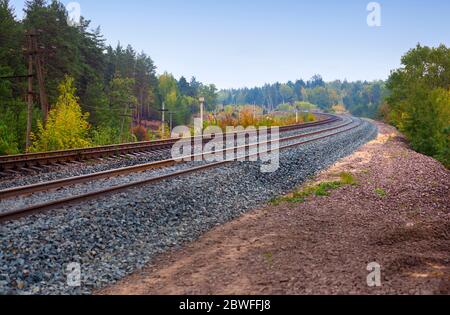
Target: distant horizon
<point>304,80</point>
<point>232,45</point>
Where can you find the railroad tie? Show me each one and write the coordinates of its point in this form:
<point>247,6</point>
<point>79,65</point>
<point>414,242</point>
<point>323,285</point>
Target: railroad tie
<point>14,172</point>
<point>37,169</point>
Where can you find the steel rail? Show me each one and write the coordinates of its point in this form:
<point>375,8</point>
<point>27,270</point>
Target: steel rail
<point>19,213</point>
<point>60,183</point>
<point>138,145</point>
<point>35,159</point>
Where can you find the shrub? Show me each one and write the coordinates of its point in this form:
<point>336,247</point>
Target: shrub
<point>66,127</point>
<point>141,134</point>
<point>8,144</point>
<point>105,135</point>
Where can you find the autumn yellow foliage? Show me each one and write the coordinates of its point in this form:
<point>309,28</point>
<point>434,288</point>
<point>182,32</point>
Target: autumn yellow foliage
<point>253,116</point>
<point>67,127</point>
<point>339,109</point>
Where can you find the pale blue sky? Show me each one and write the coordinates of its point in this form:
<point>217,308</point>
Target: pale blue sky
<point>236,43</point>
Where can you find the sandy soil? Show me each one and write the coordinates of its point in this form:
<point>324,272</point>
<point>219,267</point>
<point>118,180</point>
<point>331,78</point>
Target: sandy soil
<point>398,215</point>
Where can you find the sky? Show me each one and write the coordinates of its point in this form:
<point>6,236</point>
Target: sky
<point>237,43</point>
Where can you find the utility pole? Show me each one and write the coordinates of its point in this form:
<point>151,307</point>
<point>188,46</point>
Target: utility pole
<point>40,77</point>
<point>163,120</point>
<point>202,101</point>
<point>29,95</point>
<point>171,120</point>
<point>33,50</point>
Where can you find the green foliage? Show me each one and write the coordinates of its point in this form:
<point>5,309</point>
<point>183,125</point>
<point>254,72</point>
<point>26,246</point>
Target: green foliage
<point>80,53</point>
<point>305,106</point>
<point>105,135</point>
<point>286,92</point>
<point>117,86</point>
<point>319,190</point>
<point>381,192</point>
<point>308,117</point>
<point>419,103</point>
<point>168,90</point>
<point>8,144</point>
<point>323,97</point>
<point>323,189</point>
<point>297,106</point>
<point>10,40</point>
<point>12,115</point>
<point>13,122</point>
<point>360,98</point>
<point>122,103</point>
<point>67,126</point>
<point>348,179</point>
<point>181,98</point>
<point>209,92</point>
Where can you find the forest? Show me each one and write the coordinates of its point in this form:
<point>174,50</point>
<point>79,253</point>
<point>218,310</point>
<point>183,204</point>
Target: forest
<point>99,94</point>
<point>360,98</point>
<point>115,87</point>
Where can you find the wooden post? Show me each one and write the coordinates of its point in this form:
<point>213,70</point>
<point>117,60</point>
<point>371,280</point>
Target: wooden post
<point>30,94</point>
<point>163,119</point>
<point>42,95</point>
<point>171,121</point>
<point>202,101</point>
<point>33,52</point>
<point>40,77</point>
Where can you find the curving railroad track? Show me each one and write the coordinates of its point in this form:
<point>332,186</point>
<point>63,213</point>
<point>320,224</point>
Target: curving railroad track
<point>35,162</point>
<point>288,142</point>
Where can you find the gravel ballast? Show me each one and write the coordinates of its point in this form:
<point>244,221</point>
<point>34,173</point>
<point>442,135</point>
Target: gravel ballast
<point>325,244</point>
<point>93,166</point>
<point>11,204</point>
<point>115,235</point>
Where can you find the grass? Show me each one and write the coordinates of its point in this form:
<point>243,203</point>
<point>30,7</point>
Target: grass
<point>269,258</point>
<point>348,179</point>
<point>323,189</point>
<point>320,190</point>
<point>381,192</point>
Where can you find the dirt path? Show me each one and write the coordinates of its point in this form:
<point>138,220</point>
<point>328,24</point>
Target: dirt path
<point>398,215</point>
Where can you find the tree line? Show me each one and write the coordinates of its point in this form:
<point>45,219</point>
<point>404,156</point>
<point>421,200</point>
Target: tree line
<point>359,98</point>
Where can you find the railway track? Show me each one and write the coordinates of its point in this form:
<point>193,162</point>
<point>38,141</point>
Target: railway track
<point>30,210</point>
<point>35,162</point>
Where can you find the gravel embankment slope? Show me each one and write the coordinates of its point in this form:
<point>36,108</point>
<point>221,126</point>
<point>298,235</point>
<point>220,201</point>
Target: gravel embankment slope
<point>113,236</point>
<point>398,216</point>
